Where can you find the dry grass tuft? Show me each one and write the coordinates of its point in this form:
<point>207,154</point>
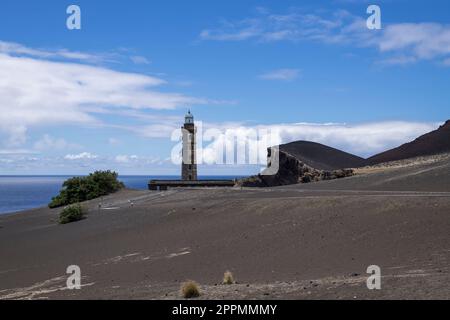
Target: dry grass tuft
<point>190,289</point>
<point>228,278</point>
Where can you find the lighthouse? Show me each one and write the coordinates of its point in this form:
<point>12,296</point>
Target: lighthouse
<point>188,163</point>
<point>189,157</point>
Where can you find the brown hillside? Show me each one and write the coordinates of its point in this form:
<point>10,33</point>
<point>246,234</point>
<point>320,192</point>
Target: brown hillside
<point>434,142</point>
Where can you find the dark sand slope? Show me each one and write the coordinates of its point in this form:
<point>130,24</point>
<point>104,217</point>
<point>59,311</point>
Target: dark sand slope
<point>434,142</point>
<point>284,242</point>
<point>431,173</point>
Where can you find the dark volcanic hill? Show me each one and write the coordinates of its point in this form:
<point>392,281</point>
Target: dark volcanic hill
<point>434,142</point>
<point>305,161</point>
<point>319,156</point>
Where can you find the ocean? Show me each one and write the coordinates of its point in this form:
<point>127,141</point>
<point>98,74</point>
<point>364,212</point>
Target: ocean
<point>18,193</point>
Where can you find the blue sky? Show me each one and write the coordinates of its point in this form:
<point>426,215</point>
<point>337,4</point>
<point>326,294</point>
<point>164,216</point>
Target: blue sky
<point>111,94</point>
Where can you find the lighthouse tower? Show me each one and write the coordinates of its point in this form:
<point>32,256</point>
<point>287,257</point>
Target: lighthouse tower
<point>189,163</point>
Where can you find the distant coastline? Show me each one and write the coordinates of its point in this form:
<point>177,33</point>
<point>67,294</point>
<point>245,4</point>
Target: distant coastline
<point>24,192</point>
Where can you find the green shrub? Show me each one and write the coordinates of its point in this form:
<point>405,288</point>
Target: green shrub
<point>71,213</point>
<point>79,189</point>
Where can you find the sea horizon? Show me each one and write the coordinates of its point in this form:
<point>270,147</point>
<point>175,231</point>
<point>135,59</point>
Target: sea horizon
<point>24,192</point>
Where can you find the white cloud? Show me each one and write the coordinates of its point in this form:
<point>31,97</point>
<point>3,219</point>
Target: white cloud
<point>398,60</point>
<point>423,40</point>
<point>292,26</point>
<point>48,142</point>
<point>37,92</point>
<point>113,141</point>
<point>406,42</point>
<point>82,164</point>
<point>139,60</point>
<point>12,48</point>
<point>161,130</point>
<point>220,143</point>
<point>239,35</point>
<point>126,158</point>
<point>360,139</point>
<point>364,139</point>
<point>81,156</point>
<point>16,151</point>
<point>17,133</point>
<point>281,74</point>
